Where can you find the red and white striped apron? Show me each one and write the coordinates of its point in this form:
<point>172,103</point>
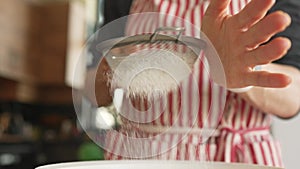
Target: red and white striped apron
<point>243,133</point>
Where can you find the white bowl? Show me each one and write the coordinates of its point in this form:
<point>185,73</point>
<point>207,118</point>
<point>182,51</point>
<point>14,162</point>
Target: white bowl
<point>152,164</point>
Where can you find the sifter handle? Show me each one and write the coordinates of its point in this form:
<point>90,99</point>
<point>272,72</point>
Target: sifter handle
<point>174,29</point>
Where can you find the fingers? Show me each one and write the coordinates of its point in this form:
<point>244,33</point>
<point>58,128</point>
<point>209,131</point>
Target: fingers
<point>265,29</point>
<point>246,32</point>
<point>264,54</point>
<point>252,13</point>
<point>266,79</point>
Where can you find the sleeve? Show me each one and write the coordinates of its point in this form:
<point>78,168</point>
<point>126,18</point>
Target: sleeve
<point>112,10</point>
<point>292,7</point>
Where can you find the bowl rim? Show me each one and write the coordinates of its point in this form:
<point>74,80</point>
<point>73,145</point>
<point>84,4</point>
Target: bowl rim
<point>152,162</point>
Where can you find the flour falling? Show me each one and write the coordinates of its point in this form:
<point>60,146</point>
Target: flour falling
<point>151,72</point>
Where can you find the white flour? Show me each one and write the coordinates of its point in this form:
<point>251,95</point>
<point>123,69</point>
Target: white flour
<point>151,72</point>
<point>151,82</point>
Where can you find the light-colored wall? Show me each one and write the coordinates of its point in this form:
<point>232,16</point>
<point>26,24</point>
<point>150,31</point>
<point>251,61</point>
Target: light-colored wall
<point>288,133</point>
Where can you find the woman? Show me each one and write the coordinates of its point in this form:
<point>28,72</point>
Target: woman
<point>241,37</point>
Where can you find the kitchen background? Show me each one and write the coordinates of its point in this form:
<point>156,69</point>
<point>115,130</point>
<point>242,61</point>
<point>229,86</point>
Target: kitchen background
<point>40,42</point>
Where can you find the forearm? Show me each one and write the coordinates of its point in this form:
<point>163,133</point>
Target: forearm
<point>282,102</point>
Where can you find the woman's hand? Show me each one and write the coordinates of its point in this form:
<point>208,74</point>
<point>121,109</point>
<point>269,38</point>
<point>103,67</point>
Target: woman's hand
<point>242,42</point>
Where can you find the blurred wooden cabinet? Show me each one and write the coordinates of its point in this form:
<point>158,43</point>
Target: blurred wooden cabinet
<point>11,90</point>
<point>35,40</point>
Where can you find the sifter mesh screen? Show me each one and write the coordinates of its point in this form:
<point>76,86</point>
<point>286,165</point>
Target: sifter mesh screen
<point>143,66</point>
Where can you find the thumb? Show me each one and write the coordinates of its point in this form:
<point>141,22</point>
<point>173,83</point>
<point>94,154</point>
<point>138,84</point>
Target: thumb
<point>217,8</point>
